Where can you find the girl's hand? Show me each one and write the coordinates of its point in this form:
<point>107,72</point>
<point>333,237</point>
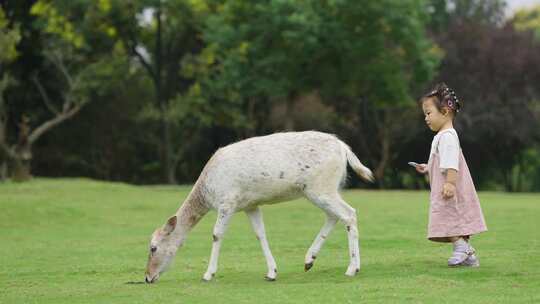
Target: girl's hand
<point>421,168</point>
<point>449,190</point>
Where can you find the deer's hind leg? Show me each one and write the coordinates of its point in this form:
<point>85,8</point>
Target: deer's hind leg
<point>313,251</point>
<point>336,208</point>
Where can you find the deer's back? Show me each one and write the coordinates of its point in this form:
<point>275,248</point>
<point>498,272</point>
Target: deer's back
<point>270,168</point>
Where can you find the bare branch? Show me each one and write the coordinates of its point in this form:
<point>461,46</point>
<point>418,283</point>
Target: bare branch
<point>4,148</point>
<point>69,108</point>
<point>67,101</point>
<point>143,61</point>
<point>44,95</point>
<point>3,145</point>
<point>46,126</point>
<point>59,63</point>
<point>132,44</point>
<point>7,150</point>
<point>2,129</point>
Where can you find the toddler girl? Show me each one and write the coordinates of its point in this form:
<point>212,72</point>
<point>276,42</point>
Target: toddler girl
<point>454,213</point>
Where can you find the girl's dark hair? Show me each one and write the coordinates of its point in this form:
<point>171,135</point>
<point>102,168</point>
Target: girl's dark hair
<point>444,97</point>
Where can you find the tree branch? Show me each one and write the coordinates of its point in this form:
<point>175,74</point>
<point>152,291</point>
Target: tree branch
<point>132,44</point>
<point>3,133</point>
<point>145,63</point>
<point>44,95</point>
<point>7,150</point>
<point>46,126</point>
<point>57,61</point>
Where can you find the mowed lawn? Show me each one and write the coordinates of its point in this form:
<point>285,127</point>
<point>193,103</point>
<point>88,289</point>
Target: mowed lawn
<point>83,241</point>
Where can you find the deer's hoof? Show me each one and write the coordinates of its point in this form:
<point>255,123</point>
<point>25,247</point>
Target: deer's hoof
<point>351,272</point>
<point>207,277</point>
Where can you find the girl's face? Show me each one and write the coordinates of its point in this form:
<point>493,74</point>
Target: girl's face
<point>435,120</point>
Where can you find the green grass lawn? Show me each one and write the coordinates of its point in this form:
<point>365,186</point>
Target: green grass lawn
<point>82,241</point>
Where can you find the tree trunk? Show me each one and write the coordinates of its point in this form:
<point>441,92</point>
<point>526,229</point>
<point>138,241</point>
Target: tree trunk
<point>168,170</point>
<point>520,173</point>
<point>385,158</point>
<point>3,170</point>
<point>507,179</point>
<point>23,153</point>
<point>289,112</point>
<point>4,154</point>
<point>250,130</point>
<point>385,134</point>
<point>21,170</point>
<point>170,167</point>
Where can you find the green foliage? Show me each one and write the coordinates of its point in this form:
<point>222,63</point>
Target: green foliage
<point>266,53</point>
<point>275,48</point>
<point>83,241</point>
<point>57,23</point>
<point>9,37</point>
<point>528,19</point>
<point>80,47</point>
<point>526,172</point>
<point>230,69</point>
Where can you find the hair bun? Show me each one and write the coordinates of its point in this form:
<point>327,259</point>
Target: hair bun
<point>446,96</point>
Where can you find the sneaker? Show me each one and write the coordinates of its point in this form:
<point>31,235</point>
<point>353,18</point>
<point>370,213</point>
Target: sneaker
<point>471,261</point>
<point>462,250</point>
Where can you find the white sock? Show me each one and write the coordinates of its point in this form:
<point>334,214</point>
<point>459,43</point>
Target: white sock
<point>460,242</point>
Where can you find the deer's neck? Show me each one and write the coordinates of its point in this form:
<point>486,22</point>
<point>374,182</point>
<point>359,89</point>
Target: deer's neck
<point>190,213</point>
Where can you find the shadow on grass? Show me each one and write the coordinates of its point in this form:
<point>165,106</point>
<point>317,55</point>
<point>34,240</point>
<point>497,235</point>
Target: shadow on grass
<point>418,269</point>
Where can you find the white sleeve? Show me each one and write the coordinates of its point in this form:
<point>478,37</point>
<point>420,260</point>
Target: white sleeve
<point>448,152</point>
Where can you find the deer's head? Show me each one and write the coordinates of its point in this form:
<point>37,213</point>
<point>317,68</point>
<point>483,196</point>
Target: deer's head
<point>162,250</point>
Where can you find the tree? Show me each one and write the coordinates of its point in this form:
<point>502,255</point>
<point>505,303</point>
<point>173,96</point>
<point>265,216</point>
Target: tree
<point>9,37</point>
<point>160,34</point>
<point>528,19</point>
<point>350,53</point>
<point>79,72</point>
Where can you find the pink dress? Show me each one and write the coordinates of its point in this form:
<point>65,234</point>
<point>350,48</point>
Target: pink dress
<point>458,216</point>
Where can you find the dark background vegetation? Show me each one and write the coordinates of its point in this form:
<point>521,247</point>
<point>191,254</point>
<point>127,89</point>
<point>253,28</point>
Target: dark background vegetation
<point>145,91</point>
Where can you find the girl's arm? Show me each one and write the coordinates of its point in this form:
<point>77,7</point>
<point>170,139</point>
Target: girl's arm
<point>449,188</point>
<point>421,168</point>
<point>449,162</point>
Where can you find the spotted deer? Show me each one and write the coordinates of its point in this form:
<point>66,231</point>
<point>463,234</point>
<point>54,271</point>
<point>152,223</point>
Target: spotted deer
<point>264,170</point>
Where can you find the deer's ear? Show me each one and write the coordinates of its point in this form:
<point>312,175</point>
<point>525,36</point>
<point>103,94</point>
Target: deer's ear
<point>171,224</point>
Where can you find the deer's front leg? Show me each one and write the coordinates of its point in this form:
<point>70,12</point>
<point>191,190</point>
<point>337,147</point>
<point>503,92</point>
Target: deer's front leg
<point>223,217</point>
